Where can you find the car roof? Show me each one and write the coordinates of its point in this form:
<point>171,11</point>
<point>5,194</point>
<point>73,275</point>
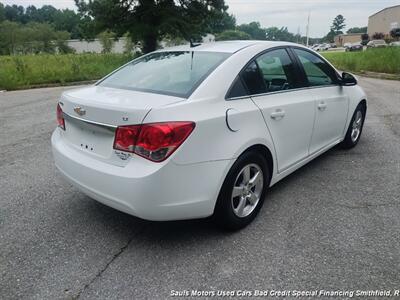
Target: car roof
<point>226,46</point>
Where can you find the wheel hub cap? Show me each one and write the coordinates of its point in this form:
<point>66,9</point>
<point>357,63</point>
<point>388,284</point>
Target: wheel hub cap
<point>247,190</point>
<point>356,127</point>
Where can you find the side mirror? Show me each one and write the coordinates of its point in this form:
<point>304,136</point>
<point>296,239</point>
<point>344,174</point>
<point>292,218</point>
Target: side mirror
<point>348,79</point>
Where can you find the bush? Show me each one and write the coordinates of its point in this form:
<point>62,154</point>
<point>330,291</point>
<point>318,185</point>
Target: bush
<point>129,45</point>
<point>364,39</point>
<point>378,36</point>
<point>33,37</point>
<point>61,43</point>
<point>395,33</point>
<point>107,41</point>
<point>230,35</point>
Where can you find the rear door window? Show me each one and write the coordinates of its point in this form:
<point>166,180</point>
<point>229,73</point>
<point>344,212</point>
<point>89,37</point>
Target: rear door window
<point>272,71</point>
<point>277,70</point>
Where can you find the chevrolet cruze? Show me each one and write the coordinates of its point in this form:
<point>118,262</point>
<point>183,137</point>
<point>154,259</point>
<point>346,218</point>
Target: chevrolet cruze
<point>192,132</point>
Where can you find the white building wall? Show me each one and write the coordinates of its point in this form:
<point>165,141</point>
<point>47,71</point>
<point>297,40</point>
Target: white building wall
<point>95,45</point>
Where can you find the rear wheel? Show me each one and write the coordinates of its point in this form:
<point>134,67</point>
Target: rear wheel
<point>243,191</point>
<point>354,131</point>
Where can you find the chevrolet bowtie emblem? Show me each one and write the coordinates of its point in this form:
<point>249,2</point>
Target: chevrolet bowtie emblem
<point>80,111</point>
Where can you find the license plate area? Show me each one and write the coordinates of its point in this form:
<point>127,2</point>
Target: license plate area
<point>90,137</point>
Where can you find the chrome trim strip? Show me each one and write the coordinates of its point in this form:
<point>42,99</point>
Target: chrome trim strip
<point>106,126</point>
<point>284,91</point>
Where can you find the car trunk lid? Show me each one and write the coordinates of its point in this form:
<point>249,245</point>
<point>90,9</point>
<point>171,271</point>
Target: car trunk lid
<point>92,115</point>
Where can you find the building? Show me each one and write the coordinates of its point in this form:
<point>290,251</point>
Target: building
<point>384,20</point>
<point>95,46</point>
<point>352,38</point>
<point>82,46</point>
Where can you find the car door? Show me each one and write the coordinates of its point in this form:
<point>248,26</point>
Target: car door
<point>331,102</point>
<point>273,83</point>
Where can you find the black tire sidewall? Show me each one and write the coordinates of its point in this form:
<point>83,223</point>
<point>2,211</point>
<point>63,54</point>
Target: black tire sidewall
<point>224,214</point>
<point>347,142</point>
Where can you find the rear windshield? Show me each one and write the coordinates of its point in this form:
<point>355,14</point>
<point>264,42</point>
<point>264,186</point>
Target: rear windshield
<point>176,73</point>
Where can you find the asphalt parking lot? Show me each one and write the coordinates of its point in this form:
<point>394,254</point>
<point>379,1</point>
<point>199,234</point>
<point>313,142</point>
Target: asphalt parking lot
<point>334,224</point>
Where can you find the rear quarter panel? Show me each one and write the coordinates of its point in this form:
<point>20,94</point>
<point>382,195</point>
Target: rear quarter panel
<point>212,140</point>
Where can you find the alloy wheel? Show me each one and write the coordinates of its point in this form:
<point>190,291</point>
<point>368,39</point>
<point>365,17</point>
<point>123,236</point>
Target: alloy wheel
<point>356,126</point>
<point>247,190</point>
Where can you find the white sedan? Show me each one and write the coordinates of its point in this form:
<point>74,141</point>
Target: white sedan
<point>186,133</point>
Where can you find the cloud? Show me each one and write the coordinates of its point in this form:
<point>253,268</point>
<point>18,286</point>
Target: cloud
<point>293,14</point>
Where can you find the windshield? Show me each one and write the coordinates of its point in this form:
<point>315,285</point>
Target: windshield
<point>176,73</point>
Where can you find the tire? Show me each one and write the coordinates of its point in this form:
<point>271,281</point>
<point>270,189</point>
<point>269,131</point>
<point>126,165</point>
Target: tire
<point>354,131</point>
<point>240,200</point>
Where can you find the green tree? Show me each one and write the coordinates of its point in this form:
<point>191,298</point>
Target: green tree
<point>330,37</point>
<point>31,13</point>
<point>107,40</point>
<point>338,24</point>
<point>364,39</point>
<point>63,20</point>
<point>279,34</point>
<point>129,45</point>
<point>45,34</point>
<point>9,35</point>
<point>87,28</point>
<point>61,42</point>
<point>230,35</point>
<point>254,30</point>
<point>2,13</point>
<point>149,20</point>
<point>220,20</point>
<point>14,13</point>
<point>67,20</point>
<point>357,30</point>
<point>46,14</point>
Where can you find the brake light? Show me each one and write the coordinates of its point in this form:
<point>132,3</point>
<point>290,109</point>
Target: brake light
<point>125,138</point>
<point>155,141</point>
<point>60,117</point>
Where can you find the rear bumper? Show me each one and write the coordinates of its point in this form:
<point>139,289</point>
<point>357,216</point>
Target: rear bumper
<point>152,191</point>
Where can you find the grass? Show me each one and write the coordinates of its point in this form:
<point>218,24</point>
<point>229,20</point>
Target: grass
<point>386,60</point>
<point>25,71</point>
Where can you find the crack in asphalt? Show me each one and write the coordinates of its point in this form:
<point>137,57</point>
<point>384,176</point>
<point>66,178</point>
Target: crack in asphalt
<point>102,270</point>
<point>368,205</point>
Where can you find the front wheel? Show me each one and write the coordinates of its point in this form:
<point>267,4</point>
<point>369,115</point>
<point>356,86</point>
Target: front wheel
<point>243,191</point>
<point>354,131</point>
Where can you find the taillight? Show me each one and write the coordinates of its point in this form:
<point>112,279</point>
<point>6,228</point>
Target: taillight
<point>125,138</point>
<point>60,117</point>
<point>155,141</point>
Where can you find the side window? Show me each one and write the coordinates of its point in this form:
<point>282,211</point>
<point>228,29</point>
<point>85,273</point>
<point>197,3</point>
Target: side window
<point>237,89</point>
<point>317,71</point>
<point>252,78</point>
<point>277,70</point>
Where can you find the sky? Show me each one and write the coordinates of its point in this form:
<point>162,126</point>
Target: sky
<point>292,14</point>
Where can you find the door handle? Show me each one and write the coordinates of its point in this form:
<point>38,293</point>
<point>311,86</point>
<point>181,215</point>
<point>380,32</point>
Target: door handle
<point>279,113</point>
<point>322,105</point>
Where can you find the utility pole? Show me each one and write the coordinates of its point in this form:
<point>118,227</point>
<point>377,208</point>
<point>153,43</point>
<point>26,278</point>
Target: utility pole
<point>308,28</point>
<point>298,34</point>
